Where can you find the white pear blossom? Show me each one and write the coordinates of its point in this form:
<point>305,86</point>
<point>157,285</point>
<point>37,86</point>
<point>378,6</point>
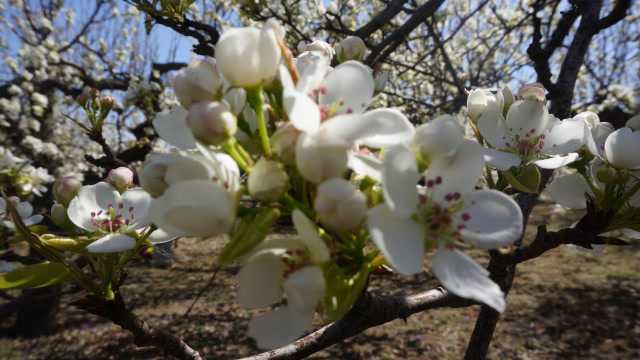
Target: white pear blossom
<point>24,209</point>
<point>530,134</point>
<point>480,101</point>
<point>319,46</point>
<point>446,211</point>
<point>289,267</point>
<point>268,180</point>
<point>211,122</point>
<point>622,148</point>
<point>200,81</point>
<point>100,209</point>
<point>120,178</point>
<point>340,205</point>
<point>351,48</point>
<point>247,56</point>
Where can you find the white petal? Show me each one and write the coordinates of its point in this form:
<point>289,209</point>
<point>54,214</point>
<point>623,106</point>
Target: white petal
<point>260,280</point>
<point>303,112</point>
<point>160,236</point>
<point>386,127</point>
<point>557,161</point>
<point>32,220</point>
<point>308,234</point>
<point>112,243</point>
<point>351,84</point>
<point>399,180</point>
<point>279,327</point>
<point>400,240</point>
<point>304,289</point>
<point>527,117</point>
<point>501,160</point>
<point>568,136</point>
<point>464,277</point>
<point>313,67</point>
<point>91,199</point>
<point>569,191</point>
<point>439,137</point>
<point>460,173</point>
<point>171,126</point>
<point>622,148</point>
<point>136,203</point>
<point>24,209</point>
<point>493,128</point>
<point>366,165</point>
<point>496,219</point>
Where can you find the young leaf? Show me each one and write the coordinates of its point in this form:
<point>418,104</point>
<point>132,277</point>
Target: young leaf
<point>343,290</point>
<point>34,276</point>
<point>526,179</point>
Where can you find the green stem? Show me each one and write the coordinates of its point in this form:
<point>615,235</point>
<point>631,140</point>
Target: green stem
<point>291,203</point>
<point>230,149</point>
<point>244,153</point>
<point>256,100</point>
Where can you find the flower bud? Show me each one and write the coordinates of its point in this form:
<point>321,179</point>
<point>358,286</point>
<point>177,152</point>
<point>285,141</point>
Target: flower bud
<point>533,91</point>
<point>480,101</point>
<point>634,123</point>
<point>268,180</point>
<point>507,97</point>
<point>351,48</point>
<point>106,102</point>
<point>87,95</point>
<point>319,46</point>
<point>340,205</point>
<point>59,216</point>
<point>590,118</point>
<point>237,99</point>
<point>439,137</point>
<point>380,80</point>
<point>152,173</point>
<point>283,143</point>
<point>65,189</point>
<point>121,178</point>
<point>319,159</point>
<point>211,122</point>
<point>200,81</point>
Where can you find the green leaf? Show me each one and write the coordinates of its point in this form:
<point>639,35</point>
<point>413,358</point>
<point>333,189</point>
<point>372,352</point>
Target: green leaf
<point>250,232</point>
<point>525,179</point>
<point>34,276</point>
<point>343,290</point>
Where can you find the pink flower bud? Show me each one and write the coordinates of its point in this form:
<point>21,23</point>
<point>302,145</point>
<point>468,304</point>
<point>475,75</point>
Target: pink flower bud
<point>533,91</point>
<point>121,178</point>
<point>65,189</point>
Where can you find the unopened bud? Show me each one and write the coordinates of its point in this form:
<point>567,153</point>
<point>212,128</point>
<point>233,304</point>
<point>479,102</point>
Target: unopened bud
<point>65,189</point>
<point>533,91</point>
<point>351,48</point>
<point>268,180</point>
<point>607,175</point>
<point>237,99</point>
<point>200,81</point>
<point>152,173</point>
<point>87,94</point>
<point>319,46</point>
<point>211,122</point>
<point>121,178</point>
<point>380,80</point>
<point>480,101</point>
<point>507,98</point>
<point>634,123</point>
<point>106,102</point>
<point>340,205</point>
<point>283,143</point>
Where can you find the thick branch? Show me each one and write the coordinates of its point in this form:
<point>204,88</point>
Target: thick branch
<point>381,19</point>
<point>144,335</point>
<point>368,312</point>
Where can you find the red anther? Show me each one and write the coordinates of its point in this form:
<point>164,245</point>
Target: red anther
<point>430,183</point>
<point>456,195</point>
<point>439,180</point>
<point>466,217</point>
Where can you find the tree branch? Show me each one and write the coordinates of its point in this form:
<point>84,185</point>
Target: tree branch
<point>144,335</point>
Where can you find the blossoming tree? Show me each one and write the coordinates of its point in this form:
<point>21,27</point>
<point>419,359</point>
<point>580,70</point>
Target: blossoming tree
<point>258,135</point>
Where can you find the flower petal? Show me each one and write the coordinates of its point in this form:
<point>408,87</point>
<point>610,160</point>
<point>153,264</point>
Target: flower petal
<point>399,239</point>
<point>366,165</point>
<point>279,327</point>
<point>112,243</point>
<point>160,236</point>
<point>308,234</point>
<point>303,112</point>
<point>494,130</point>
<point>351,85</point>
<point>399,181</point>
<point>567,136</point>
<point>461,275</point>
<point>569,191</point>
<point>386,127</point>
<point>304,289</point>
<point>171,126</point>
<point>459,173</point>
<point>260,280</point>
<point>496,219</point>
<point>91,199</point>
<point>527,118</point>
<point>557,161</point>
<point>501,160</point>
<point>136,203</point>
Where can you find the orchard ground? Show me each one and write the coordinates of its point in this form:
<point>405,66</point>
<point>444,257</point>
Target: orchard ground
<point>567,304</point>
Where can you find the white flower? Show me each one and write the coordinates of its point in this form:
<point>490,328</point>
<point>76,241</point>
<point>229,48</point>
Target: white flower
<point>338,99</point>
<point>211,122</point>
<point>120,178</point>
<point>530,134</point>
<point>446,211</point>
<point>533,92</point>
<point>319,46</point>
<point>289,266</point>
<point>248,57</point>
<point>200,81</point>
<point>171,126</point>
<point>65,189</point>
<point>439,137</point>
<point>622,148</point>
<point>101,209</point>
<point>351,48</point>
<point>24,209</point>
<point>481,101</point>
<point>340,205</point>
<point>268,180</point>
